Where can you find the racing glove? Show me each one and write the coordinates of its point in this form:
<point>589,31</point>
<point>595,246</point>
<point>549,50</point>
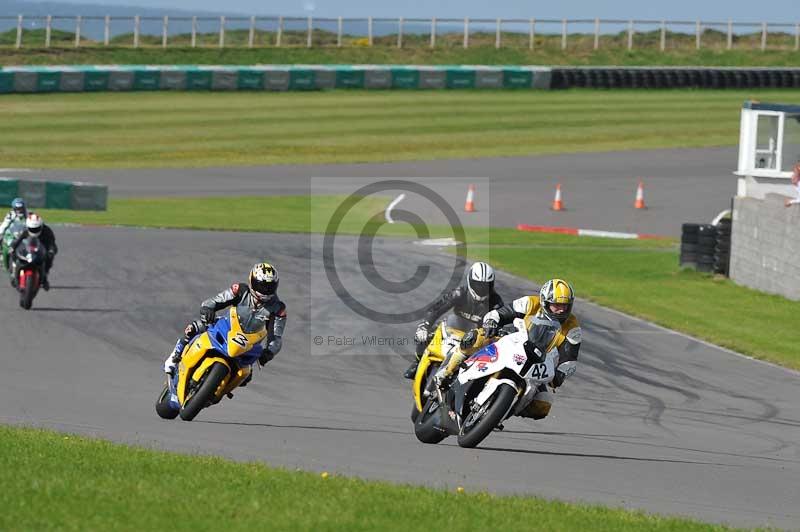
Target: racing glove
<point>421,336</point>
<point>207,314</point>
<point>490,327</point>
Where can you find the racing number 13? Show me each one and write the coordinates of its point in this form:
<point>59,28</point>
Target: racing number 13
<point>240,339</point>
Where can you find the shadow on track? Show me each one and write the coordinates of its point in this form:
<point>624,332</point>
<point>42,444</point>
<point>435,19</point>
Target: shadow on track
<point>304,427</point>
<point>605,456</point>
<point>69,309</point>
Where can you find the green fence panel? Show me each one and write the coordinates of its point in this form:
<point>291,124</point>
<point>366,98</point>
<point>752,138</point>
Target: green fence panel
<point>146,80</point>
<point>59,195</point>
<point>198,80</point>
<point>48,81</point>
<point>251,80</point>
<point>6,82</point>
<point>34,192</point>
<point>95,81</point>
<point>349,79</point>
<point>88,196</point>
<point>301,79</point>
<point>405,78</point>
<point>514,78</point>
<point>458,78</point>
<point>9,189</point>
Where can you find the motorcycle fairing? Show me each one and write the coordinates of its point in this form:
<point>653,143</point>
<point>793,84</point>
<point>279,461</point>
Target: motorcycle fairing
<point>225,336</point>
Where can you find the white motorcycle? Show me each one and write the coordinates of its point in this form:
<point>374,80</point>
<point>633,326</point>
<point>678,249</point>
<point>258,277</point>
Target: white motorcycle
<point>493,384</point>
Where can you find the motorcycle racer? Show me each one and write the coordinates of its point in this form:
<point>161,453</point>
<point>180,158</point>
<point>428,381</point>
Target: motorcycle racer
<point>18,213</point>
<point>35,226</point>
<point>255,300</point>
<point>554,303</point>
<point>469,302</point>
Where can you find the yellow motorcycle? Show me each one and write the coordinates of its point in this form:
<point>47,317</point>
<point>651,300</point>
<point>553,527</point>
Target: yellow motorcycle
<point>444,340</point>
<point>213,364</point>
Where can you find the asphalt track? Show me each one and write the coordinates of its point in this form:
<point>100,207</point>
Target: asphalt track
<point>653,420</point>
<point>687,185</point>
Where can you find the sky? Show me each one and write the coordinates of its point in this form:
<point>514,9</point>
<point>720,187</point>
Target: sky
<point>780,11</point>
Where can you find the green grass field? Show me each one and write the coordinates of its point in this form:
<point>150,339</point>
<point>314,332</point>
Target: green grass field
<point>211,129</point>
<point>64,482</point>
<point>639,277</point>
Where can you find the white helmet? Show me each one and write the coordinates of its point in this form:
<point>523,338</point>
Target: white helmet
<point>480,281</point>
<point>34,224</point>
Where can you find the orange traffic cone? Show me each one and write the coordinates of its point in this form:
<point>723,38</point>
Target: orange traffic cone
<point>469,206</point>
<point>557,204</point>
<point>639,203</point>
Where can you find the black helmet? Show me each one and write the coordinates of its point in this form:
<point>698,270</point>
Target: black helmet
<point>263,280</point>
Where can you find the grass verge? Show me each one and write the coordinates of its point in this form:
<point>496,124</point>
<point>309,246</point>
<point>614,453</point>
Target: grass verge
<point>98,130</point>
<point>639,277</point>
<point>416,51</point>
<point>66,482</point>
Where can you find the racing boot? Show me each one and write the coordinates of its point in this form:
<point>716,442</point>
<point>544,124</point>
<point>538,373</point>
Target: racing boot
<point>541,400</point>
<point>174,357</point>
<point>45,283</point>
<point>411,372</point>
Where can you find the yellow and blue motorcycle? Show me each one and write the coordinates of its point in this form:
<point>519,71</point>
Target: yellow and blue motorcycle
<point>213,364</point>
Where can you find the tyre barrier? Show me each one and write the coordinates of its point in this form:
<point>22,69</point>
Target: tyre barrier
<point>674,77</point>
<point>706,247</point>
<point>54,194</point>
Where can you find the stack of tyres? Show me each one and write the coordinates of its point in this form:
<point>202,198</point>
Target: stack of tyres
<point>689,237</point>
<point>706,244</point>
<point>722,251</point>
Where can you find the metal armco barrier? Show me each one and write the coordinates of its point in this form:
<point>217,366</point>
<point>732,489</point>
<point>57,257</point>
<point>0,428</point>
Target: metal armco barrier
<point>320,77</point>
<point>54,194</point>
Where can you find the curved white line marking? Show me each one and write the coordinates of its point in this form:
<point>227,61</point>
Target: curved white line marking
<point>391,206</point>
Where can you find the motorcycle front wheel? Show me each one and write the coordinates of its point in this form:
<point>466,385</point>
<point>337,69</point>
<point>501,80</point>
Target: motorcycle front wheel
<point>481,422</point>
<point>199,399</point>
<point>26,296</point>
<point>424,428</point>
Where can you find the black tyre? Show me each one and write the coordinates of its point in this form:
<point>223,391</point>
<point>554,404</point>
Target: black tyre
<point>689,239</point>
<point>688,257</point>
<point>423,384</point>
<point>162,405</point>
<point>203,394</point>
<point>723,247</point>
<point>707,230</point>
<point>499,403</point>
<point>424,428</point>
<point>707,242</point>
<point>689,248</point>
<point>690,229</point>
<point>26,296</point>
<point>705,266</point>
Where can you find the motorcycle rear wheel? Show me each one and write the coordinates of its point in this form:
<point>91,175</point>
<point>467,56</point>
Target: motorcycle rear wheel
<point>502,399</point>
<point>205,392</point>
<point>424,428</point>
<point>162,405</point>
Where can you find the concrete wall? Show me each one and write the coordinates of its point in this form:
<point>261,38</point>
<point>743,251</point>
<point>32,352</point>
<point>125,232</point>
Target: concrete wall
<point>765,245</point>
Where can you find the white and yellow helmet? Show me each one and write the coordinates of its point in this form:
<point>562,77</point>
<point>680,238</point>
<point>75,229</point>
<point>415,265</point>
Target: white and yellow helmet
<point>557,291</point>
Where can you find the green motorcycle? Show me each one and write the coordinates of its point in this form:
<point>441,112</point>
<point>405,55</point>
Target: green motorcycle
<point>13,231</point>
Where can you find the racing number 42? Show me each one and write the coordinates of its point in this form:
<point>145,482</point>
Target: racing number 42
<point>539,371</point>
